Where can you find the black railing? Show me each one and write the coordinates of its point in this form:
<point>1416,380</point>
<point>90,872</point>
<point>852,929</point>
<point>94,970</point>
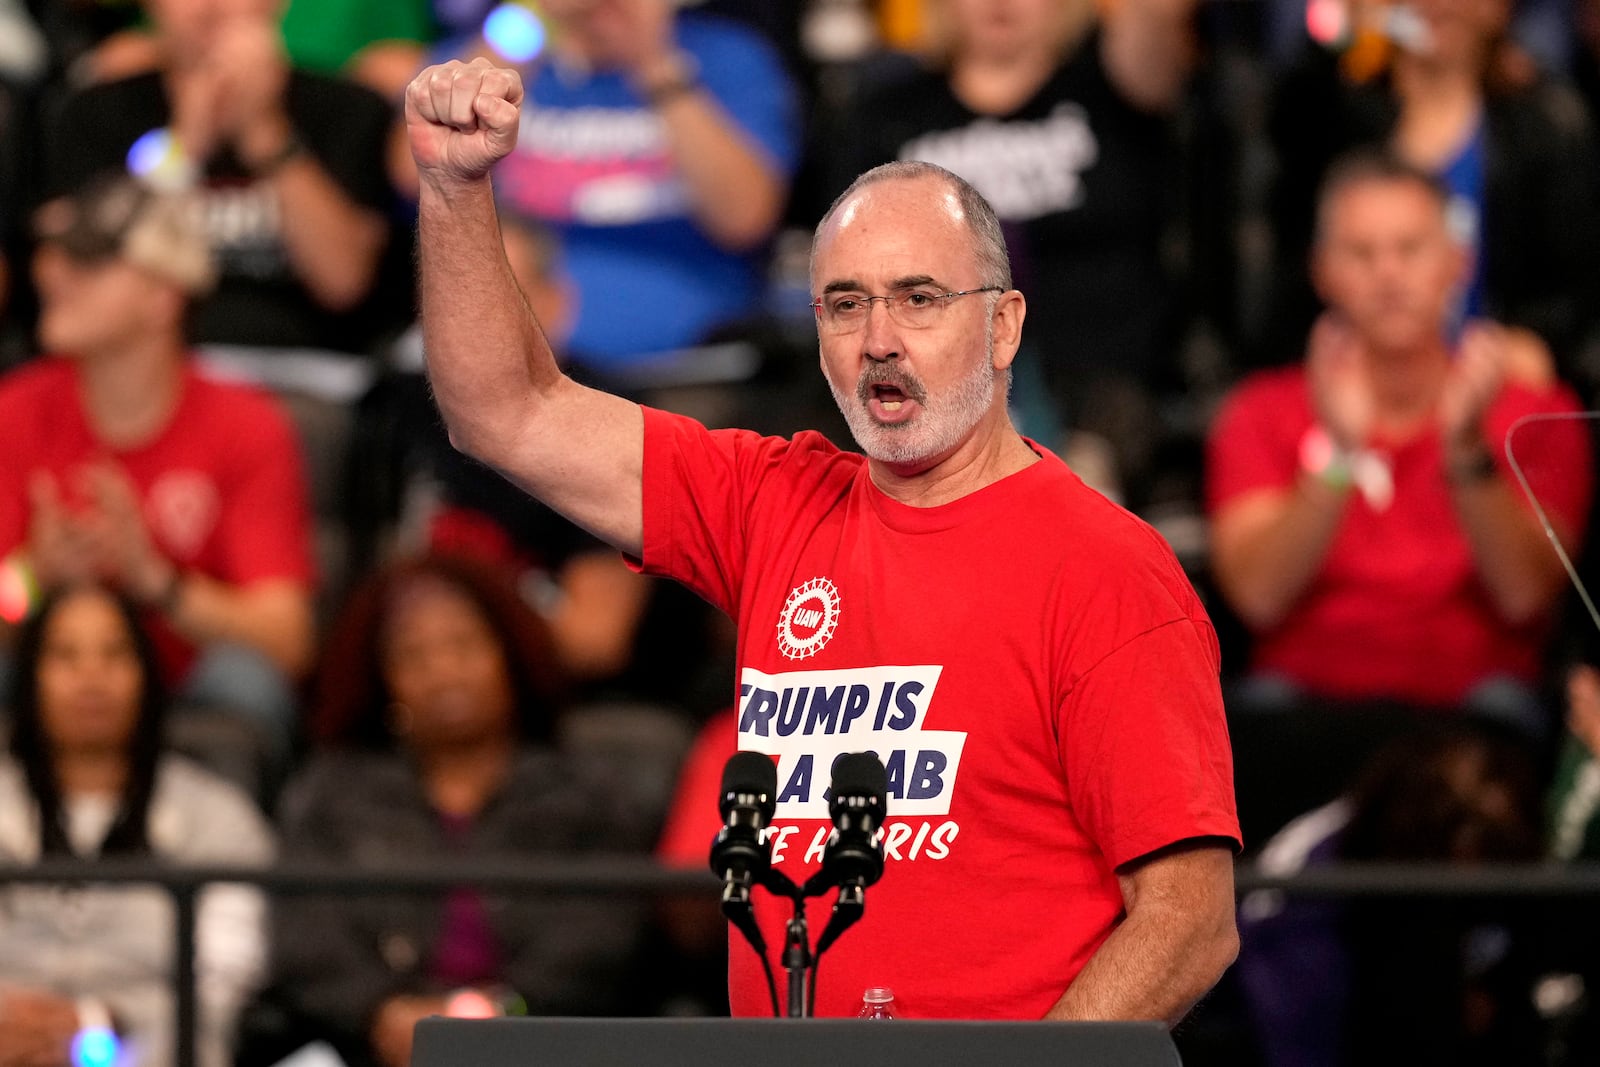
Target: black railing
<point>633,876</point>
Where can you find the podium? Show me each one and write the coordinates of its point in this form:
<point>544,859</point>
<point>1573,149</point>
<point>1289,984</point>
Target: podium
<point>786,1043</point>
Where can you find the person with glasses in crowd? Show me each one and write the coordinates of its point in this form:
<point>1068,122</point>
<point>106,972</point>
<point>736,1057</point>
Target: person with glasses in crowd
<point>1027,659</point>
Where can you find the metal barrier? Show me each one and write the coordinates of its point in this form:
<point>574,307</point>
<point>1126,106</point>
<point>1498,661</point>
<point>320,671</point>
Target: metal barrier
<point>635,876</point>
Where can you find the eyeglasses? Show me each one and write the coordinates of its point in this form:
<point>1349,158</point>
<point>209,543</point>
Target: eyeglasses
<point>915,309</point>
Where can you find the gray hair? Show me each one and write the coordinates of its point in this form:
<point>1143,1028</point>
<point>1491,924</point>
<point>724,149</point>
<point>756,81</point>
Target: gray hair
<point>1374,166</point>
<point>989,242</point>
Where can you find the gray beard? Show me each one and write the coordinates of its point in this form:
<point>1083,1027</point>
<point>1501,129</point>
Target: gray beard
<point>935,430</point>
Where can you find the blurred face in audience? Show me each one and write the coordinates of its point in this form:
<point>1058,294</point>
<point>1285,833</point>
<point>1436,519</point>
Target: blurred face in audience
<point>607,32</point>
<point>1462,31</point>
<point>86,308</point>
<point>90,680</point>
<point>1000,30</point>
<point>189,27</point>
<point>1386,261</point>
<point>910,395</point>
<point>444,663</point>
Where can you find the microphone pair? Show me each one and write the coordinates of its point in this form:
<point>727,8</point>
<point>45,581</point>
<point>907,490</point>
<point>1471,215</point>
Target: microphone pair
<point>851,860</point>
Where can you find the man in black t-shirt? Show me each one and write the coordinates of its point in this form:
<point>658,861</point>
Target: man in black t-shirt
<point>291,167</point>
<point>1061,118</point>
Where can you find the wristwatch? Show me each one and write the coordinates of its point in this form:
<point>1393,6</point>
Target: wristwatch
<point>1475,469</point>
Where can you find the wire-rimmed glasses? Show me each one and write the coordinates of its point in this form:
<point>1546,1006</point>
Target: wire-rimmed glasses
<point>914,308</point>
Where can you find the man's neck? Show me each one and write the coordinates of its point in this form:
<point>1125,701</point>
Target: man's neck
<point>991,452</point>
<point>129,395</point>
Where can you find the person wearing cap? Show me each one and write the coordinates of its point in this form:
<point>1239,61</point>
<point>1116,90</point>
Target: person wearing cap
<point>125,465</point>
<point>288,165</point>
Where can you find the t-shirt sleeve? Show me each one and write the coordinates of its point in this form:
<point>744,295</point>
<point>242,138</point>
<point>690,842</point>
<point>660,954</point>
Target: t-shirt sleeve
<point>1247,449</point>
<point>265,525</point>
<point>747,77</point>
<point>697,483</point>
<point>1145,744</point>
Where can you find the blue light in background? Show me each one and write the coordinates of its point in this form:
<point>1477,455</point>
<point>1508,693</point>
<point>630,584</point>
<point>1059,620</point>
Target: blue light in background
<point>514,31</point>
<point>95,1046</point>
<point>149,152</point>
<point>158,159</point>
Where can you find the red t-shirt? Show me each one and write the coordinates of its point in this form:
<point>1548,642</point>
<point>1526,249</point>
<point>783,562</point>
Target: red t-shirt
<point>1029,662</point>
<point>1397,609</point>
<point>222,485</point>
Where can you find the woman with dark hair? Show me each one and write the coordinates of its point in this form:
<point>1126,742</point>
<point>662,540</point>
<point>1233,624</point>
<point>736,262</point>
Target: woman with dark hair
<point>87,777</point>
<point>437,703</point>
<point>354,704</point>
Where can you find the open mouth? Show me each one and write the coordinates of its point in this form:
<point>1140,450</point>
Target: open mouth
<point>890,405</point>
<point>888,397</point>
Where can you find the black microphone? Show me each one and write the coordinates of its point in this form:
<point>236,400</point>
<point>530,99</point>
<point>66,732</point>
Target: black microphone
<point>738,855</point>
<point>853,857</point>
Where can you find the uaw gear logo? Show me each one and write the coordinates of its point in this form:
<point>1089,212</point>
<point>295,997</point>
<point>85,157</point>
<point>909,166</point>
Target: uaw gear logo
<point>809,617</point>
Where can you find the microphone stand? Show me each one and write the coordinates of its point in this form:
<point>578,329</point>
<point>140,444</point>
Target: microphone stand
<point>797,960</point>
<point>852,861</point>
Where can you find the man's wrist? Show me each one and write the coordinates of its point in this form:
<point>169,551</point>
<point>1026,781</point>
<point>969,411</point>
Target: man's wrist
<point>1470,465</point>
<point>269,146</point>
<point>663,79</point>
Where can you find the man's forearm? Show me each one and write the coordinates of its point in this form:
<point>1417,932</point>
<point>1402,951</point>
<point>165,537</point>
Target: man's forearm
<point>1509,548</point>
<point>273,617</point>
<point>1149,50</point>
<point>1151,967</point>
<point>734,190</point>
<point>1176,939</point>
<point>1265,565</point>
<point>487,358</point>
<point>333,243</point>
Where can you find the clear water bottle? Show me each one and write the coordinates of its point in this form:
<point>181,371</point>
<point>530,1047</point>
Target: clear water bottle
<point>877,1003</point>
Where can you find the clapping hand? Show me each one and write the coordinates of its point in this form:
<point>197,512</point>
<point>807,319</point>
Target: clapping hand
<point>1341,383</point>
<point>1474,381</point>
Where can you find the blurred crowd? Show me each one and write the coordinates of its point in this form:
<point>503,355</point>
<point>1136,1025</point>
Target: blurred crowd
<point>1313,287</point>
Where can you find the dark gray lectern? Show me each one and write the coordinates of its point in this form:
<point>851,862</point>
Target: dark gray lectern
<point>786,1043</point>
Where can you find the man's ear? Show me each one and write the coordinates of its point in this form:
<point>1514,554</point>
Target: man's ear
<point>1009,312</point>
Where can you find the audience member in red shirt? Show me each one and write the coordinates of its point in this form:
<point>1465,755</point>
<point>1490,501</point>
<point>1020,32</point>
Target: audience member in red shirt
<point>1366,525</point>
<point>125,465</point>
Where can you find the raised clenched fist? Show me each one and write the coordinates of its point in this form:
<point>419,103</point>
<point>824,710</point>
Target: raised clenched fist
<point>461,119</point>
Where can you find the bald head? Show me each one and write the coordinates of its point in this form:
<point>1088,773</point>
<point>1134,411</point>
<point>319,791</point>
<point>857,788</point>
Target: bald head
<point>946,191</point>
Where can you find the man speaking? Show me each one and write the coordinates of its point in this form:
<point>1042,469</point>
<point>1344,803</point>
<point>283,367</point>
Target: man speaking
<point>1027,659</point>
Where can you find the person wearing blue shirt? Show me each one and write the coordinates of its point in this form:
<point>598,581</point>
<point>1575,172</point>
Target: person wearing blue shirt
<point>658,147</point>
